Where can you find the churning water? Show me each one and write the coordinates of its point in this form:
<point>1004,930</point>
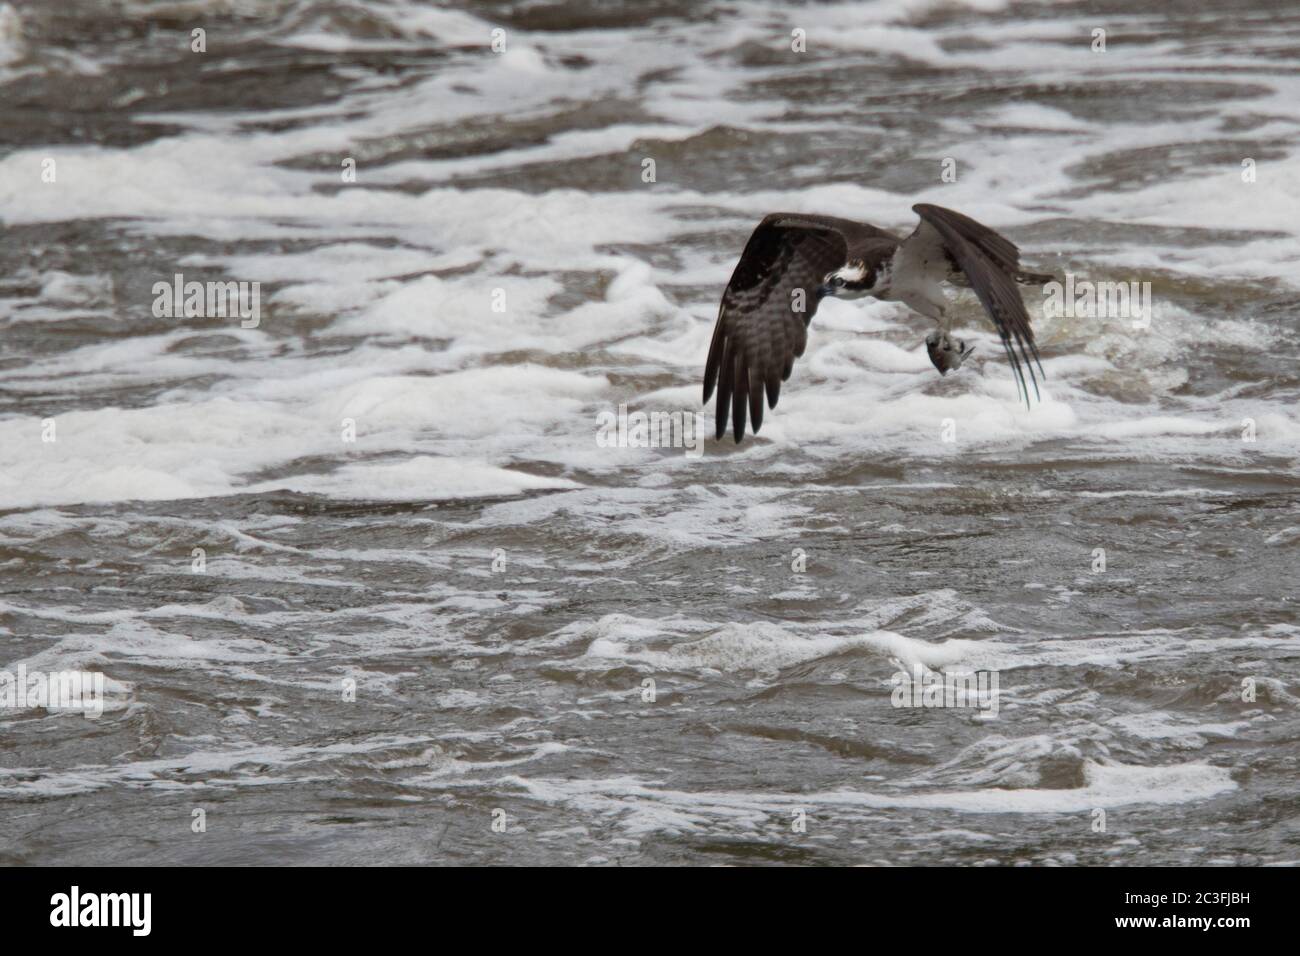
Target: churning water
<point>365,585</point>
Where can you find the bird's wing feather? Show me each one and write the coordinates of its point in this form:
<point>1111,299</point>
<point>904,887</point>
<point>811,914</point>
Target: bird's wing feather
<point>759,333</point>
<point>991,263</point>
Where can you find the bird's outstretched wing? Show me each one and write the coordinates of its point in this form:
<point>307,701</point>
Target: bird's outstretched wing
<point>991,262</point>
<point>763,320</point>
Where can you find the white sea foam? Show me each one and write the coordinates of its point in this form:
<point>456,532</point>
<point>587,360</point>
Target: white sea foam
<point>695,645</point>
<point>641,807</point>
<point>851,394</point>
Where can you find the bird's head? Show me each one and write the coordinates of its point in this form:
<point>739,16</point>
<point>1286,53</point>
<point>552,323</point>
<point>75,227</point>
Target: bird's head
<point>851,281</point>
<point>946,352</point>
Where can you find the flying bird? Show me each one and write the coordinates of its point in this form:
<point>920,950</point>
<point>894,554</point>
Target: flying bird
<point>792,261</point>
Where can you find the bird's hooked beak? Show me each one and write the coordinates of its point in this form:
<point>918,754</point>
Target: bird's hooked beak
<point>946,353</point>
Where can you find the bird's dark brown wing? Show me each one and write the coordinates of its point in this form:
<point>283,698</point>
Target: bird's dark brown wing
<point>991,262</point>
<point>760,330</point>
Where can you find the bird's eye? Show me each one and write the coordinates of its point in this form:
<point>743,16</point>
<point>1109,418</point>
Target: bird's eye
<point>837,281</point>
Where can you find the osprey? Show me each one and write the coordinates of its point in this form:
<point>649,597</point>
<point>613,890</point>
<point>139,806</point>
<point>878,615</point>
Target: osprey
<point>763,320</point>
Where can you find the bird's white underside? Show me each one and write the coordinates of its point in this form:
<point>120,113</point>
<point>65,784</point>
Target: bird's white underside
<point>919,270</point>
